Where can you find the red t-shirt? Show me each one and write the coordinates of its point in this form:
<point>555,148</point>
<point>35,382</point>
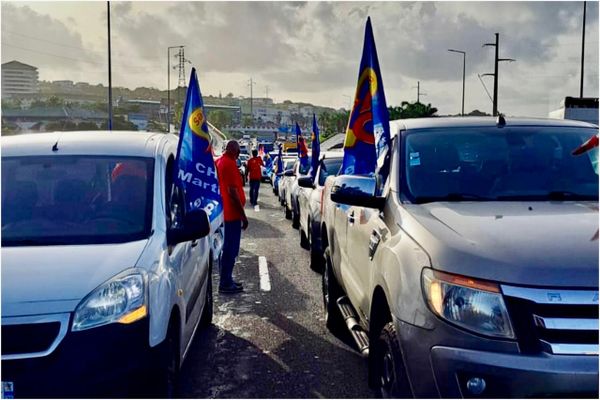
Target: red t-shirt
<point>254,170</point>
<point>229,176</point>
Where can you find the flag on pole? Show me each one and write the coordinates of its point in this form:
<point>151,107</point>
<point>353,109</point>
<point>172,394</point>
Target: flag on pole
<point>195,171</point>
<point>316,148</point>
<point>367,143</point>
<point>588,145</point>
<point>280,160</point>
<point>302,149</point>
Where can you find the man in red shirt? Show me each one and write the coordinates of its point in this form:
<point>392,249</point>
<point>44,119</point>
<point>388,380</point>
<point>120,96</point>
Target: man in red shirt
<point>234,199</point>
<point>255,173</point>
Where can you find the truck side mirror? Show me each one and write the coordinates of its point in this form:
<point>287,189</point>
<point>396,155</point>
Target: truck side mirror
<point>306,182</point>
<point>356,190</point>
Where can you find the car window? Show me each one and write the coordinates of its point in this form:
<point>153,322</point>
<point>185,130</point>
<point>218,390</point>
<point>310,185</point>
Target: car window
<point>329,166</point>
<point>304,169</point>
<point>75,199</point>
<point>500,164</point>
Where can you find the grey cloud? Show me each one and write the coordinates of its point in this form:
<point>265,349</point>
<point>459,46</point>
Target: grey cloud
<point>49,42</point>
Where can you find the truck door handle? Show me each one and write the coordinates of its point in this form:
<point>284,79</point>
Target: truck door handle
<point>351,218</point>
<point>374,243</point>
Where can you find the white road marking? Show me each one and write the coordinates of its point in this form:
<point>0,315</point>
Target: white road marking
<point>263,272</point>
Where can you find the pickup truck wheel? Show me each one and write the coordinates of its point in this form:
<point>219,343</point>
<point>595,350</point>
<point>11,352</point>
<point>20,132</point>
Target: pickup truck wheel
<point>390,373</point>
<point>288,213</point>
<point>331,292</point>
<point>207,313</point>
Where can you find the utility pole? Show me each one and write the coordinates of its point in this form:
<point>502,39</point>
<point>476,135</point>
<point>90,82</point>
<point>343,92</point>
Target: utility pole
<point>182,61</point>
<point>582,50</point>
<point>110,116</point>
<point>251,83</point>
<point>495,74</point>
<point>419,93</point>
<point>169,85</point>
<point>266,92</point>
<point>463,91</point>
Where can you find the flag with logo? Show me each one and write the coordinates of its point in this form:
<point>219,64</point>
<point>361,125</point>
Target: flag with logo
<point>316,148</point>
<point>367,143</point>
<point>195,171</point>
<point>302,149</point>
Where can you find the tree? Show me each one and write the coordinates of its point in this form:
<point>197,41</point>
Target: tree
<point>119,124</point>
<point>87,126</point>
<point>219,118</point>
<point>412,110</point>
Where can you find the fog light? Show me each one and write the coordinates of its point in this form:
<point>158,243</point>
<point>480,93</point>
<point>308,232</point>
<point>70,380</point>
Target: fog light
<point>476,385</point>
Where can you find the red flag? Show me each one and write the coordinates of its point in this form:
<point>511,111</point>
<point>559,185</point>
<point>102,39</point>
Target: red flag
<point>590,144</point>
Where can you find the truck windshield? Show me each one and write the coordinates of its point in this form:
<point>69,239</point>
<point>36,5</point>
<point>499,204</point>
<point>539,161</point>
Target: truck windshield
<point>75,200</point>
<point>512,163</point>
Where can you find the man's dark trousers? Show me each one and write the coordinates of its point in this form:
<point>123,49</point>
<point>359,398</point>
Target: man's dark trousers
<point>254,186</point>
<point>231,249</point>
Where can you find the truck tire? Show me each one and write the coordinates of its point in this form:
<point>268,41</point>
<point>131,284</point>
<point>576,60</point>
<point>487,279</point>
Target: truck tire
<point>389,374</point>
<point>288,213</point>
<point>207,312</point>
<point>331,292</point>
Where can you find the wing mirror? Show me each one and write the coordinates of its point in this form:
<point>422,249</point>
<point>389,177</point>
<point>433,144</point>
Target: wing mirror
<point>306,182</point>
<point>289,172</point>
<point>356,191</point>
<point>195,225</point>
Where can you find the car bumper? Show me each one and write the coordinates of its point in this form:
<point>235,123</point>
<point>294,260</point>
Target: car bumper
<point>444,370</point>
<point>96,362</point>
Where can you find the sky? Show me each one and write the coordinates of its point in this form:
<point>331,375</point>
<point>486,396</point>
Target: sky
<point>310,51</point>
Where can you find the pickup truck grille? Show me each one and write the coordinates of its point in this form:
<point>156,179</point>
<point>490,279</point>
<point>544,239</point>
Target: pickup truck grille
<point>555,321</point>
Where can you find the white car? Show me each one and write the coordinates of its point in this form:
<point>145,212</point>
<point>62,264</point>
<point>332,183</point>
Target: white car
<point>102,274</point>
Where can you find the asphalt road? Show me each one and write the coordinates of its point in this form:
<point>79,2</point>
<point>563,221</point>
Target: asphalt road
<point>272,344</point>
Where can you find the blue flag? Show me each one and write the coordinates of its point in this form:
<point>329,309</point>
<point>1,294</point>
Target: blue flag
<point>316,148</point>
<point>195,169</point>
<point>280,160</point>
<point>302,149</point>
<point>367,143</point>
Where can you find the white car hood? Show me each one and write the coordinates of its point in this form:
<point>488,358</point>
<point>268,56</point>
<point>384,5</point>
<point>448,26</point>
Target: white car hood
<point>54,279</point>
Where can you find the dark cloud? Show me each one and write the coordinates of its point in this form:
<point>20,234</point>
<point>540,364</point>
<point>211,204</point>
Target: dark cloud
<point>43,41</point>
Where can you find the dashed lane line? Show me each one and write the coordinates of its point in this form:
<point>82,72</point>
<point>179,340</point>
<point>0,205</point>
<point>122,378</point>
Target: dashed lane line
<point>263,271</point>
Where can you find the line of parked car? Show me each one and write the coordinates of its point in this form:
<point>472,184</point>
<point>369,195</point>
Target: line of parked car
<point>472,271</point>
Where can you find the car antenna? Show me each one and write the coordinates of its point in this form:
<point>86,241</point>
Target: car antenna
<point>500,121</point>
<point>55,146</point>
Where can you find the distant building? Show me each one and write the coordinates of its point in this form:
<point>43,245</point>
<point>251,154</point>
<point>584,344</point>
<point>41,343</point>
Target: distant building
<point>139,120</point>
<point>581,109</point>
<point>19,79</point>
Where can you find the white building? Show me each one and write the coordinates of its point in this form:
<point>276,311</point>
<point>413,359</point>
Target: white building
<point>19,79</point>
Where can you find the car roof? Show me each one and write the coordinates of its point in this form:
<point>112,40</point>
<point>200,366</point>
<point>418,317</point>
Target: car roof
<point>332,154</point>
<point>472,122</point>
<point>125,143</point>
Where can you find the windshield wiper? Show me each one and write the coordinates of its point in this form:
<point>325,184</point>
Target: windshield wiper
<point>556,195</point>
<point>566,195</point>
<point>452,197</point>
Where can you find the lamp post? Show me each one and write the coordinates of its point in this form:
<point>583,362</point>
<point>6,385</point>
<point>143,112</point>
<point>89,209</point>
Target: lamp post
<point>464,53</point>
<point>169,85</point>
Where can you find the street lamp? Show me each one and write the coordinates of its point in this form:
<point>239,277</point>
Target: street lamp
<point>463,91</point>
<point>169,85</point>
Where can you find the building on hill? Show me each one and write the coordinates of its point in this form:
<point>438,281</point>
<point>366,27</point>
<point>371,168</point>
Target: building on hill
<point>19,79</point>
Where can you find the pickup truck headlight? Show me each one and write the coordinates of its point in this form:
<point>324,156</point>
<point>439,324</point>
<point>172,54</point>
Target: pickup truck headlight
<point>121,299</point>
<point>472,304</point>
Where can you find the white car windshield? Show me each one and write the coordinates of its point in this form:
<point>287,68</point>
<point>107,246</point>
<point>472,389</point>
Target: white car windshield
<point>512,163</point>
<point>75,200</point>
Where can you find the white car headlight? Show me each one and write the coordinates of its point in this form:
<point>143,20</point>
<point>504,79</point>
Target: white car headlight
<point>472,304</point>
<point>122,299</point>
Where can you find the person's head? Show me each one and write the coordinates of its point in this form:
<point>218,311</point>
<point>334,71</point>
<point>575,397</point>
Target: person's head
<point>233,148</point>
<point>254,153</point>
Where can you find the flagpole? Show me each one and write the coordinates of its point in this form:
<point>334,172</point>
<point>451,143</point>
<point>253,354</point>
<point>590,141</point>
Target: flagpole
<point>110,116</point>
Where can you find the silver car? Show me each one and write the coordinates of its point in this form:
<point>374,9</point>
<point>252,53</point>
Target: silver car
<point>310,197</point>
<point>102,274</point>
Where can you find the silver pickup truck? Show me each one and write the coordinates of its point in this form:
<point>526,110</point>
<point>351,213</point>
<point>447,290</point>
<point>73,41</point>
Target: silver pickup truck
<point>475,272</point>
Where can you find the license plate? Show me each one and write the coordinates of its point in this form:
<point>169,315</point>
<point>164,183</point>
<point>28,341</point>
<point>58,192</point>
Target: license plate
<point>8,390</point>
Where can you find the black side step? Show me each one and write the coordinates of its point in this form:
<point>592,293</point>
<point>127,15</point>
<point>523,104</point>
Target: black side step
<point>358,334</point>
